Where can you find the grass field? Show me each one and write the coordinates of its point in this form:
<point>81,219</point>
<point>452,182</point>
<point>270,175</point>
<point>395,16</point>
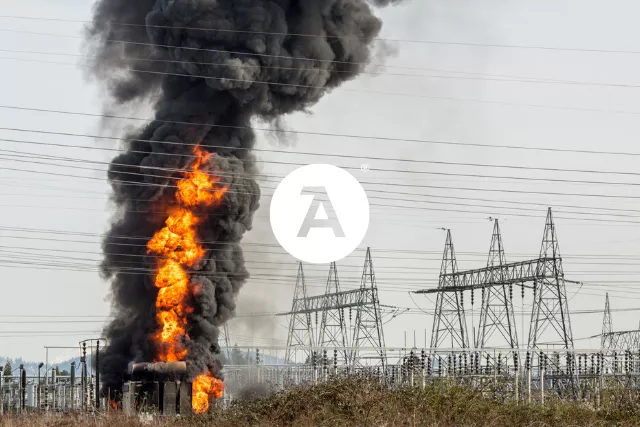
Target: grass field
<point>362,403</point>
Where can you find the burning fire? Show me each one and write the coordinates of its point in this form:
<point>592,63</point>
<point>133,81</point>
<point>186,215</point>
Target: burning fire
<point>180,250</point>
<point>203,387</point>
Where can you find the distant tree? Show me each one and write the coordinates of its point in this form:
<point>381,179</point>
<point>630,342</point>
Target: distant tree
<point>222,357</point>
<point>6,373</point>
<point>237,358</point>
<point>61,373</point>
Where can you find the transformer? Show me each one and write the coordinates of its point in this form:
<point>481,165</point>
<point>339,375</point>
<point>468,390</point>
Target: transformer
<point>160,388</point>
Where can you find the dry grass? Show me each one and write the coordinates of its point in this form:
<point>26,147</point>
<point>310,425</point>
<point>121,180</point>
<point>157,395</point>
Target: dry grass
<point>362,403</point>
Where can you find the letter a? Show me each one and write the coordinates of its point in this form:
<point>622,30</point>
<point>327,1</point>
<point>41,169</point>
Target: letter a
<point>310,221</point>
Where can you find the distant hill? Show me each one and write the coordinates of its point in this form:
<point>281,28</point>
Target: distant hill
<point>65,365</point>
<point>32,367</point>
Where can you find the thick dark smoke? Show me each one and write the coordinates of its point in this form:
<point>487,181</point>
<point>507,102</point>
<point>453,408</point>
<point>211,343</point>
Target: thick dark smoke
<point>208,67</point>
<point>255,392</point>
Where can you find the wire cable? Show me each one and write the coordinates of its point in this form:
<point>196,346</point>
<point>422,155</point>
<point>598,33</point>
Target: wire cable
<point>311,133</point>
<point>301,153</point>
<point>329,36</point>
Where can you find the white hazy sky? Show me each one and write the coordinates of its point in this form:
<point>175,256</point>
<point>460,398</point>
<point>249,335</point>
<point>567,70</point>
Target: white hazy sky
<point>430,105</point>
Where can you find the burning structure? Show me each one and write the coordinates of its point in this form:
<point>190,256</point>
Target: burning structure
<point>161,387</point>
<point>185,187</point>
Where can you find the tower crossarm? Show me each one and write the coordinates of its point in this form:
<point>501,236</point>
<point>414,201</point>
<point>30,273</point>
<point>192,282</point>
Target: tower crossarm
<point>333,301</point>
<point>618,333</point>
<point>515,272</point>
<point>622,339</point>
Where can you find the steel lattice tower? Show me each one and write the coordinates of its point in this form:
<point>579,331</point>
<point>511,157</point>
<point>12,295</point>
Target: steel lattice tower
<point>550,308</point>
<point>612,340</point>
<point>300,336</point>
<point>224,341</point>
<point>333,328</point>
<point>606,341</point>
<point>496,313</point>
<point>449,321</point>
<point>224,336</point>
<point>368,331</point>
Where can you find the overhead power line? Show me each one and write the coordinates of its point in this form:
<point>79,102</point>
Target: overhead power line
<point>306,153</point>
<point>264,177</point>
<point>123,182</point>
<point>605,220</point>
<point>284,280</point>
<point>22,155</point>
<point>329,36</point>
<point>231,79</point>
<point>401,252</point>
<point>466,75</point>
<point>256,267</point>
<point>372,169</point>
<point>443,98</point>
<point>313,133</point>
<point>19,154</point>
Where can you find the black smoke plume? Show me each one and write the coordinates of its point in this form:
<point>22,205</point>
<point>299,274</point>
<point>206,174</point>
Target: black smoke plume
<point>208,67</point>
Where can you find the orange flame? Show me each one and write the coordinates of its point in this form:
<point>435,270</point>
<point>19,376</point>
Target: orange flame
<point>178,245</point>
<point>205,386</point>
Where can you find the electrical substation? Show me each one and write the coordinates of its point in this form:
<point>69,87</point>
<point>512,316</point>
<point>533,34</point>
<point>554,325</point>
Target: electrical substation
<point>340,332</point>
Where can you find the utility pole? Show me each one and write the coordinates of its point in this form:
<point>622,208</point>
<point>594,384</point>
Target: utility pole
<point>98,391</point>
<point>22,388</point>
<point>73,384</point>
<point>83,361</point>
<point>39,386</point>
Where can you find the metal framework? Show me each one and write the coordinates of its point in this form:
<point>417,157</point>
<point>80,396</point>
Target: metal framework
<point>333,328</point>
<point>598,374</point>
<point>496,313</point>
<point>550,306</point>
<point>610,339</point>
<point>549,310</point>
<point>606,340</point>
<point>449,324</point>
<point>334,301</point>
<point>333,332</point>
<point>224,340</point>
<point>626,340</point>
<point>368,331</point>
<point>300,337</point>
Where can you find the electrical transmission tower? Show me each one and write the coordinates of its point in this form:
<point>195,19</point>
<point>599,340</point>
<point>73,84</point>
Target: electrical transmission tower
<point>300,338</point>
<point>224,336</point>
<point>333,328</point>
<point>368,331</point>
<point>224,341</point>
<point>550,308</point>
<point>606,340</point>
<point>449,324</point>
<point>550,311</point>
<point>496,313</point>
<point>333,333</point>
<point>617,340</point>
